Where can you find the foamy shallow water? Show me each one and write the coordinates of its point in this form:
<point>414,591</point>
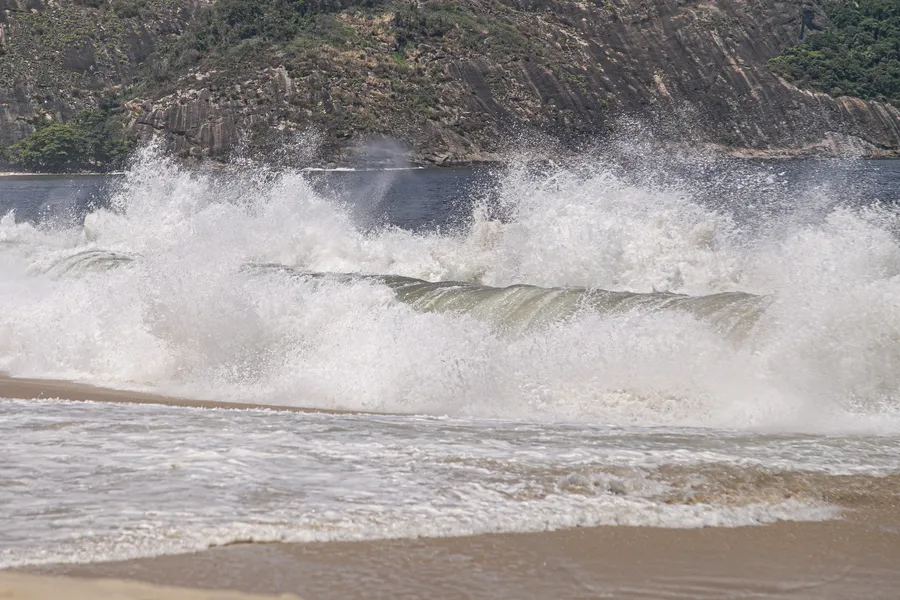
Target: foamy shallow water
<point>86,482</point>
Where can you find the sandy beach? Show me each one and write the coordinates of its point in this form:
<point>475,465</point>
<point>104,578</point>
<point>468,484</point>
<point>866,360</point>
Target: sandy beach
<point>18,586</point>
<point>52,389</point>
<point>853,558</point>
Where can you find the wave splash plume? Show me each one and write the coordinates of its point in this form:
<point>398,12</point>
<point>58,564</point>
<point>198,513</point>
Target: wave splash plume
<point>583,293</point>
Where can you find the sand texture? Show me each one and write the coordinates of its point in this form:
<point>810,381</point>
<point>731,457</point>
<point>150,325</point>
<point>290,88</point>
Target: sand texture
<point>17,586</point>
<point>854,558</point>
<point>28,389</point>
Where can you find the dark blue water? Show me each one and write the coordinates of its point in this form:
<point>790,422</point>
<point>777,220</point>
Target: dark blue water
<point>441,198</point>
<point>414,199</point>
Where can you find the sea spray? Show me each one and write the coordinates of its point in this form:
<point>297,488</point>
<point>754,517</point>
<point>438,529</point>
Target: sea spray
<point>161,297</point>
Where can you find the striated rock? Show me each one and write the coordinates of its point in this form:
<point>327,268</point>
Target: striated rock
<point>694,70</point>
<point>57,58</point>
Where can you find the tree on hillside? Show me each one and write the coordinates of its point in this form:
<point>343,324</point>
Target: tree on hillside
<point>56,148</point>
<point>95,140</point>
<point>108,144</point>
<point>859,56</point>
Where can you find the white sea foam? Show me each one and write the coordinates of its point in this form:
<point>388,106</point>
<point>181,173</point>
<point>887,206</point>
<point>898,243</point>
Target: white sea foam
<point>87,482</point>
<point>181,314</point>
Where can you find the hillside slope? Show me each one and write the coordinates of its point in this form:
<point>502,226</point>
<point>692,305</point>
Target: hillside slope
<point>58,57</point>
<point>453,81</point>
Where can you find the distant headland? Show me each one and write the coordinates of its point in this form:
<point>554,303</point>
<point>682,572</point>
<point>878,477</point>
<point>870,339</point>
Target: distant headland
<point>449,83</point>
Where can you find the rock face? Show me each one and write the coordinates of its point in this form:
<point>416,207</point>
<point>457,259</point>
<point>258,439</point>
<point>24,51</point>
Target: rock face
<point>695,69</point>
<point>61,56</point>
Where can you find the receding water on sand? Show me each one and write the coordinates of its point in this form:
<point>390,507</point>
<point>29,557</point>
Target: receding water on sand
<point>147,480</point>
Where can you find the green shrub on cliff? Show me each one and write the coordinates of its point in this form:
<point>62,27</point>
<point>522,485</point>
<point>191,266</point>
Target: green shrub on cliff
<point>231,34</point>
<point>230,27</point>
<point>414,24</point>
<point>94,141</point>
<point>109,143</point>
<point>859,56</point>
<point>231,21</point>
<point>129,9</point>
<point>55,148</point>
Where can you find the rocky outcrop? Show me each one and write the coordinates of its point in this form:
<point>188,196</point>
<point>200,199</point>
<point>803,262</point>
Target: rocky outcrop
<point>712,57</point>
<point>58,57</point>
<point>696,70</point>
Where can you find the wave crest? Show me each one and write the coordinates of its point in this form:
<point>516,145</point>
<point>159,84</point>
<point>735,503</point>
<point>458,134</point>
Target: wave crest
<point>586,293</point>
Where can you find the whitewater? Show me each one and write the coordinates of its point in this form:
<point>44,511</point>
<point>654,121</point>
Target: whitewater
<point>593,343</point>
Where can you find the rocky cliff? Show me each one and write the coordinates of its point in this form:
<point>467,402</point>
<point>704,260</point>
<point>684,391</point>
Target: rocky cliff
<point>58,56</point>
<point>452,81</point>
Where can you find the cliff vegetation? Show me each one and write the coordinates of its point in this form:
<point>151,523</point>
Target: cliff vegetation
<point>94,140</point>
<point>858,56</point>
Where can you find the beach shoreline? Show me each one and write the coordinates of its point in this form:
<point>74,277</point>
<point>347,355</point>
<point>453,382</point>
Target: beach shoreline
<point>58,389</point>
<point>854,557</point>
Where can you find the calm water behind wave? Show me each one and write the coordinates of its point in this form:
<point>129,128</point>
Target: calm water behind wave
<point>426,198</point>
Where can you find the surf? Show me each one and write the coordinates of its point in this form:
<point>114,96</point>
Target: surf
<point>590,292</point>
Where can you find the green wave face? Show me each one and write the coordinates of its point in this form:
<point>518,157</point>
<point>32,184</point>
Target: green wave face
<point>521,308</point>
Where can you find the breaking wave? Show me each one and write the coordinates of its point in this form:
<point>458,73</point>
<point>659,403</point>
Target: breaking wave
<point>585,293</point>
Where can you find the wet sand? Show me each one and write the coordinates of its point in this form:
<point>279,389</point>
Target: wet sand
<point>37,389</point>
<point>15,586</point>
<point>854,558</point>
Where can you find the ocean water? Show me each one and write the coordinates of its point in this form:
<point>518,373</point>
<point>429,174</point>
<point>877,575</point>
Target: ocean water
<point>636,339</point>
